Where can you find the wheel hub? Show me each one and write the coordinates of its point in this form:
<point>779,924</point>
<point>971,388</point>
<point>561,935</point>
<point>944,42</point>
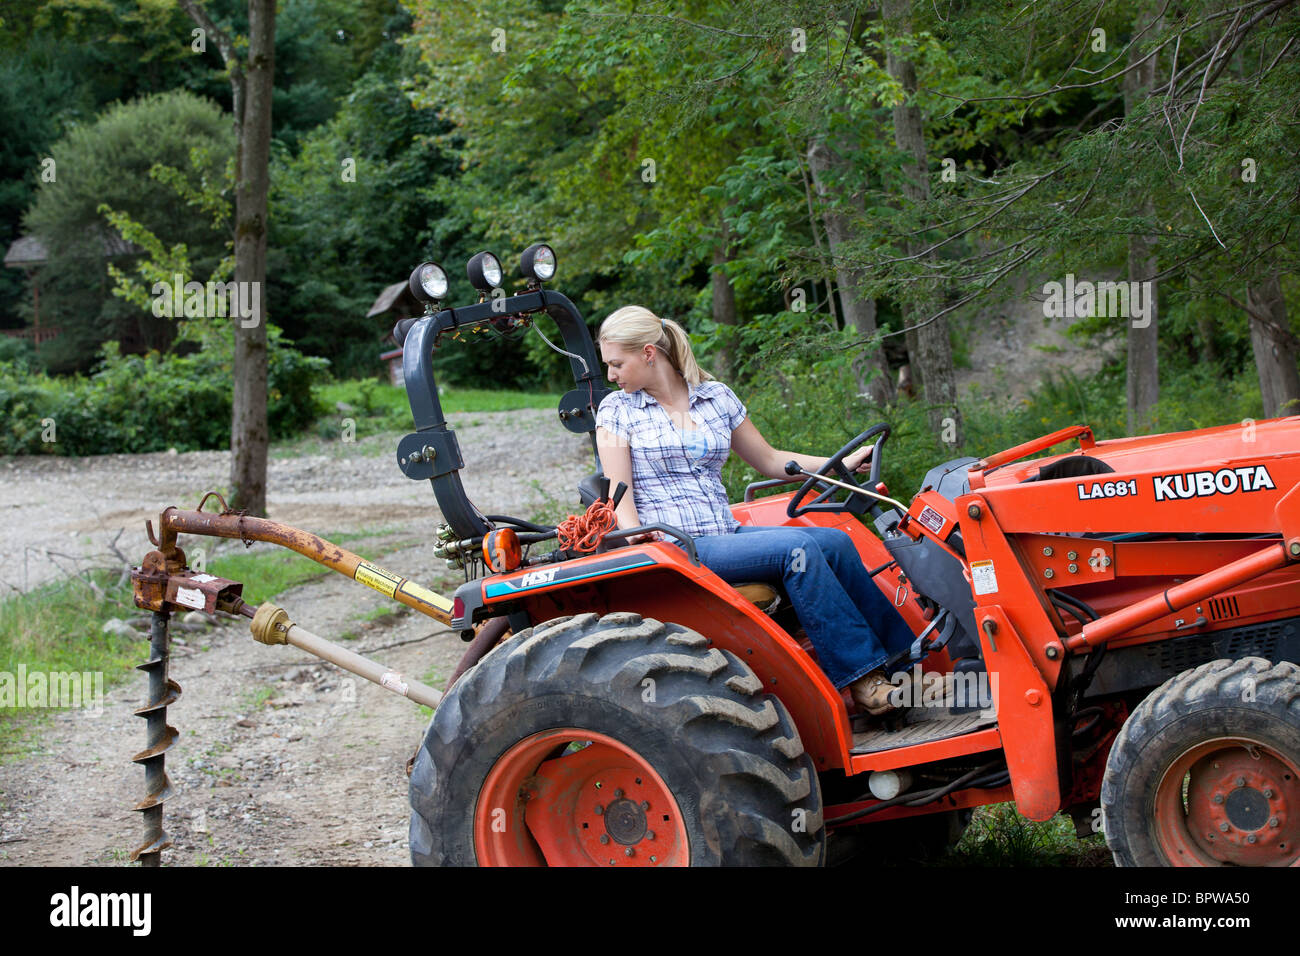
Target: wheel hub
<point>625,822</point>
<point>571,797</point>
<point>1239,807</point>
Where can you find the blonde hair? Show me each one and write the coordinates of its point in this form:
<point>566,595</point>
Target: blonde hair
<point>635,327</point>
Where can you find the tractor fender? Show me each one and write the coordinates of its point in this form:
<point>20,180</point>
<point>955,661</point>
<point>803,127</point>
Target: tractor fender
<point>658,581</point>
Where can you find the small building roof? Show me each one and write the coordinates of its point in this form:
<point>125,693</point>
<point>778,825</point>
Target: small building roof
<point>28,251</point>
<point>396,296</point>
<point>24,252</point>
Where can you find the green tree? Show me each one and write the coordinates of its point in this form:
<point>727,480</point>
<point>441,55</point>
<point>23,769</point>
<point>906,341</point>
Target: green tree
<point>108,162</point>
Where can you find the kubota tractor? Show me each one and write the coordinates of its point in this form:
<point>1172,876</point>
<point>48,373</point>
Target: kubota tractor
<point>1111,632</point>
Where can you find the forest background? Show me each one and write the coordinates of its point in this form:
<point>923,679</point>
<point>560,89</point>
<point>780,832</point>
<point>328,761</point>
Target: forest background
<point>830,197</point>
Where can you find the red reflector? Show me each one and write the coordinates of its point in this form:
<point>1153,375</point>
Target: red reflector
<point>880,487</point>
<point>458,609</point>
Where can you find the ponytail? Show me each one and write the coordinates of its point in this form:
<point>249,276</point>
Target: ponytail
<point>635,327</point>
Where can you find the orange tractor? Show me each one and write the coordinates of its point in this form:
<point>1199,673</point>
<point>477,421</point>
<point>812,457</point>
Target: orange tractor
<point>1109,632</point>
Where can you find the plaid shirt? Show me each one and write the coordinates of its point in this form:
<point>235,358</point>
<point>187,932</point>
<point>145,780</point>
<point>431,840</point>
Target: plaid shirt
<point>669,486</point>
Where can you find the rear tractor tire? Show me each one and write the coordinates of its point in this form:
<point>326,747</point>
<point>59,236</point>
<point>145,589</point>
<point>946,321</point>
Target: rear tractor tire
<point>613,741</point>
<point>1206,771</point>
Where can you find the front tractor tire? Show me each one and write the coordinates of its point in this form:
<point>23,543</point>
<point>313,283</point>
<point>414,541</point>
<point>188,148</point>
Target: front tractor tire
<point>613,741</point>
<point>1206,771</point>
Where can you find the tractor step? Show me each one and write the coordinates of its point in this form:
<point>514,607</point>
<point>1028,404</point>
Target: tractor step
<point>920,727</point>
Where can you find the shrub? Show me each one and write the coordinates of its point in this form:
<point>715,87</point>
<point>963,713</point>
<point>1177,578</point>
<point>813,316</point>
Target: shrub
<point>143,403</point>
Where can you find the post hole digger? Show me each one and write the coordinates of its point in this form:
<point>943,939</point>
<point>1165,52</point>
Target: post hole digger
<point>1111,631</point>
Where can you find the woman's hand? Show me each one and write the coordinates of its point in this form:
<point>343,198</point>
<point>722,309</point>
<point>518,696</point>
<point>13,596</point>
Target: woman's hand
<point>859,461</point>
<point>645,537</point>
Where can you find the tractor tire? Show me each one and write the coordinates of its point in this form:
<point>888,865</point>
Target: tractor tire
<point>614,740</point>
<point>1206,771</point>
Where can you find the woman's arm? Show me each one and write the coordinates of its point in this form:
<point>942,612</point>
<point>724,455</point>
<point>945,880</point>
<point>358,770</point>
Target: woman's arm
<point>616,461</point>
<point>748,442</point>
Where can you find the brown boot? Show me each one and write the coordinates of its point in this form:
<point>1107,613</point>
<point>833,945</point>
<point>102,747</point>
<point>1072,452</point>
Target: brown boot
<point>871,693</point>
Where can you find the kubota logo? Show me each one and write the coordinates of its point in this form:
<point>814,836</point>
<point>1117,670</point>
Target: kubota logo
<point>1202,484</point>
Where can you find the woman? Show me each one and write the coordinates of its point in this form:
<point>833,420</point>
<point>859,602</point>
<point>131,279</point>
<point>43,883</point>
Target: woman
<point>666,434</point>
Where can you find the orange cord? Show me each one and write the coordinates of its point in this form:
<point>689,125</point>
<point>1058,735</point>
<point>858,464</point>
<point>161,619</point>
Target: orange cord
<point>584,532</point>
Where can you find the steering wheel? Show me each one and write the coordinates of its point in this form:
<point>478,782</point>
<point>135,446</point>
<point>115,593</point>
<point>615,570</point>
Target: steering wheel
<point>835,463</point>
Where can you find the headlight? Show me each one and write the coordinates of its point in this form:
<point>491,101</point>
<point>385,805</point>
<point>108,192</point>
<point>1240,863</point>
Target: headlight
<point>428,282</point>
<point>484,272</point>
<point>538,262</point>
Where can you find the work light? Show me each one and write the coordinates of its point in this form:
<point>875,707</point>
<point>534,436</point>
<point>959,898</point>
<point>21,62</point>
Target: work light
<point>484,272</point>
<point>537,264</point>
<point>428,282</point>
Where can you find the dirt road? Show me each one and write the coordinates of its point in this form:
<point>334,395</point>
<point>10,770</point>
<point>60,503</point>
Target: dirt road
<point>281,759</point>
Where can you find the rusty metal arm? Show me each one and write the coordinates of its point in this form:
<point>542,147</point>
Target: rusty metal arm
<point>174,521</point>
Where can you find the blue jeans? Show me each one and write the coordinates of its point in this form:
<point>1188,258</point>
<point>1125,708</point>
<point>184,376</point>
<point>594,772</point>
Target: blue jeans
<point>852,625</point>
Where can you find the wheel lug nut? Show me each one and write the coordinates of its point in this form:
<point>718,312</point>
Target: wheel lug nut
<point>1223,828</point>
<point>1240,781</point>
<point>629,852</point>
<point>1268,794</point>
<point>1273,823</point>
<point>604,838</point>
<point>649,834</point>
<point>1218,798</point>
<point>1252,838</point>
<point>645,804</point>
<point>618,794</point>
<point>599,810</point>
<point>654,859</point>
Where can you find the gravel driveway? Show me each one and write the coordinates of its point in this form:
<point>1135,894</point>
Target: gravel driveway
<point>282,759</point>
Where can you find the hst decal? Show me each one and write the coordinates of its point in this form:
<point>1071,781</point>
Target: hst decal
<point>563,574</point>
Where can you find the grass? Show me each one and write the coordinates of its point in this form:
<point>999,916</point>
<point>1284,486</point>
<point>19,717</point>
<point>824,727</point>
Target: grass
<point>56,628</point>
<point>370,398</point>
<point>266,573</point>
<point>999,836</point>
<point>255,700</point>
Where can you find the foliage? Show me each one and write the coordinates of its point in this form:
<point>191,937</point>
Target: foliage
<point>351,214</point>
<point>119,408</point>
<point>815,409</point>
<point>999,836</point>
<point>108,163</point>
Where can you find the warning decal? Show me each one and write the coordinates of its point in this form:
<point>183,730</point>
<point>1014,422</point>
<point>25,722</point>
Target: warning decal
<point>373,576</point>
<point>424,595</point>
<point>983,578</point>
<point>931,519</point>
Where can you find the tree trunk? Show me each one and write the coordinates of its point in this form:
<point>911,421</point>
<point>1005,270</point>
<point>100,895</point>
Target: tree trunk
<point>1209,354</point>
<point>1275,348</point>
<point>1143,374</point>
<point>249,433</point>
<point>251,91</point>
<point>929,348</point>
<point>724,306</point>
<point>869,367</point>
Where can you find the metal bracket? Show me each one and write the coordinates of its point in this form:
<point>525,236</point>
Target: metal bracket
<point>424,455</point>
